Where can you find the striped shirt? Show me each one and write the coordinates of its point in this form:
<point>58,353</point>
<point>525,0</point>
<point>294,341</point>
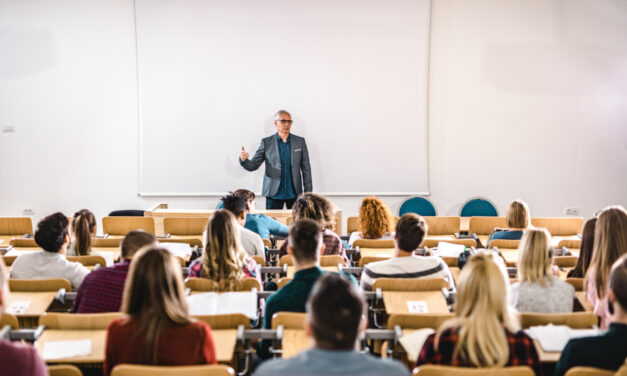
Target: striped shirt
<point>406,267</point>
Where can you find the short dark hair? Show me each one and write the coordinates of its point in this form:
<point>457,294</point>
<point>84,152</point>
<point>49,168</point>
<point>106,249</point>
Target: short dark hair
<point>618,281</point>
<point>305,238</point>
<point>51,231</point>
<point>134,241</point>
<point>248,195</point>
<point>410,230</point>
<point>335,309</point>
<point>235,204</point>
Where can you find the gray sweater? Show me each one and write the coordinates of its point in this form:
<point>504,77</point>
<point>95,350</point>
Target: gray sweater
<point>556,297</point>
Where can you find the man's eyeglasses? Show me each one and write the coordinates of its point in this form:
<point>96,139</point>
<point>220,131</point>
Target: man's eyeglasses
<point>283,121</point>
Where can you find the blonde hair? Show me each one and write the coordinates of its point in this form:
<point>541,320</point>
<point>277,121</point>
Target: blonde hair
<point>481,314</point>
<point>223,259</point>
<point>375,218</point>
<point>154,296</point>
<point>610,243</point>
<point>534,258</point>
<point>518,215</point>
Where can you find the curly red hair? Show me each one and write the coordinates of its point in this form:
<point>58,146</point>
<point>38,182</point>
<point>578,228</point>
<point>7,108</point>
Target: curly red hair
<point>375,218</point>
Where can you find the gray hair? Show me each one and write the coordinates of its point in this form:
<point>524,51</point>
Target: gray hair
<point>282,112</point>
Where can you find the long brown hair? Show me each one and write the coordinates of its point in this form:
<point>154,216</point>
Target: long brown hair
<point>610,243</point>
<point>585,252</point>
<point>154,296</point>
<point>375,218</point>
<point>315,207</point>
<point>223,259</point>
<point>83,226</point>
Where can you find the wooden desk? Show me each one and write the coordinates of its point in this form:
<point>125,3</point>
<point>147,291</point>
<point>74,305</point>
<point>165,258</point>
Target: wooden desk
<point>546,357</point>
<point>290,270</point>
<point>225,341</point>
<point>585,303</point>
<point>5,239</point>
<point>294,341</point>
<point>455,273</point>
<point>376,252</point>
<point>97,337</point>
<point>396,301</point>
<point>39,303</point>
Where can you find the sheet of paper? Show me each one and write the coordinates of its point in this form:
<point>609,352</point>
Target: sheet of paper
<point>417,306</point>
<point>239,302</point>
<point>181,250</point>
<point>203,304</point>
<point>211,303</point>
<point>412,343</point>
<point>19,307</point>
<point>66,349</point>
<point>449,249</point>
<point>552,338</point>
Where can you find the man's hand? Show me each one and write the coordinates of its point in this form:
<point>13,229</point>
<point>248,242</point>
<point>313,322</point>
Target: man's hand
<point>243,155</point>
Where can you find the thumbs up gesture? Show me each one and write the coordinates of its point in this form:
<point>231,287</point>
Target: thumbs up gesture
<point>243,155</point>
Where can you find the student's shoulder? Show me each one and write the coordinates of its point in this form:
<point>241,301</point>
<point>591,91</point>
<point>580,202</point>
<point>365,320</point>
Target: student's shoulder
<point>276,367</point>
<point>21,358</point>
<point>376,365</point>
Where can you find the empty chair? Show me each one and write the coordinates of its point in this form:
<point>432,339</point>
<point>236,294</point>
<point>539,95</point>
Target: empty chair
<point>16,226</point>
<point>192,226</point>
<point>205,284</point>
<point>418,205</point>
<point>588,371</point>
<point>436,370</point>
<point>64,370</point>
<point>39,285</point>
<point>141,370</point>
<point>575,320</point>
<point>478,207</point>
<point>120,226</point>
<point>443,225</point>
<point>559,226</point>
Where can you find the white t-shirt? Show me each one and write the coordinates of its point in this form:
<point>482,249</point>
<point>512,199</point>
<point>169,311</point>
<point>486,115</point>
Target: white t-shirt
<point>406,267</point>
<point>44,264</point>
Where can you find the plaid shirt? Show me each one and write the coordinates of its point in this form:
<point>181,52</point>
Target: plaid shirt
<point>249,268</point>
<point>522,351</point>
<point>332,246</point>
<point>102,289</point>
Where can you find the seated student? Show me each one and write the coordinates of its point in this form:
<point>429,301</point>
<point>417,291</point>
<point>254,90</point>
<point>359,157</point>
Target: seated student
<point>250,241</point>
<point>259,223</point>
<point>223,260</point>
<point>610,243</point>
<point>156,328</point>
<point>518,220</point>
<point>16,359</point>
<point>319,209</point>
<point>83,229</point>
<point>53,236</point>
<point>537,290</point>
<point>375,220</point>
<point>607,351</point>
<point>305,247</point>
<point>585,252</point>
<point>484,332</point>
<point>102,289</point>
<point>336,314</point>
<point>410,231</point>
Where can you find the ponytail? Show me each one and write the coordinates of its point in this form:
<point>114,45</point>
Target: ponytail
<point>82,225</point>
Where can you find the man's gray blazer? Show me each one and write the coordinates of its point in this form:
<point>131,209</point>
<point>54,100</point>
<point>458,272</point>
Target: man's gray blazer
<point>269,152</point>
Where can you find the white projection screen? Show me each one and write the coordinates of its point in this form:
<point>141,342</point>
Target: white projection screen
<point>353,73</point>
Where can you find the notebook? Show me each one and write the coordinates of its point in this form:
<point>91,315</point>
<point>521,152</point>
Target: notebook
<point>211,303</point>
<point>553,338</point>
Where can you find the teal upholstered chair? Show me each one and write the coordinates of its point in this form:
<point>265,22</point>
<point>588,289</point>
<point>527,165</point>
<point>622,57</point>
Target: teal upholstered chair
<point>418,205</point>
<point>479,207</point>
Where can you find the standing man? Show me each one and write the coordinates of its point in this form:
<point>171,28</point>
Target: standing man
<point>288,172</point>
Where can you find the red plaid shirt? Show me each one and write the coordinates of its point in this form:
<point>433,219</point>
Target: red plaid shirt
<point>522,351</point>
<point>332,246</point>
<point>102,289</point>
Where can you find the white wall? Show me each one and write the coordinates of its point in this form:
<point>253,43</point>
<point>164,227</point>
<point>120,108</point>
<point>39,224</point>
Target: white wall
<point>528,98</point>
